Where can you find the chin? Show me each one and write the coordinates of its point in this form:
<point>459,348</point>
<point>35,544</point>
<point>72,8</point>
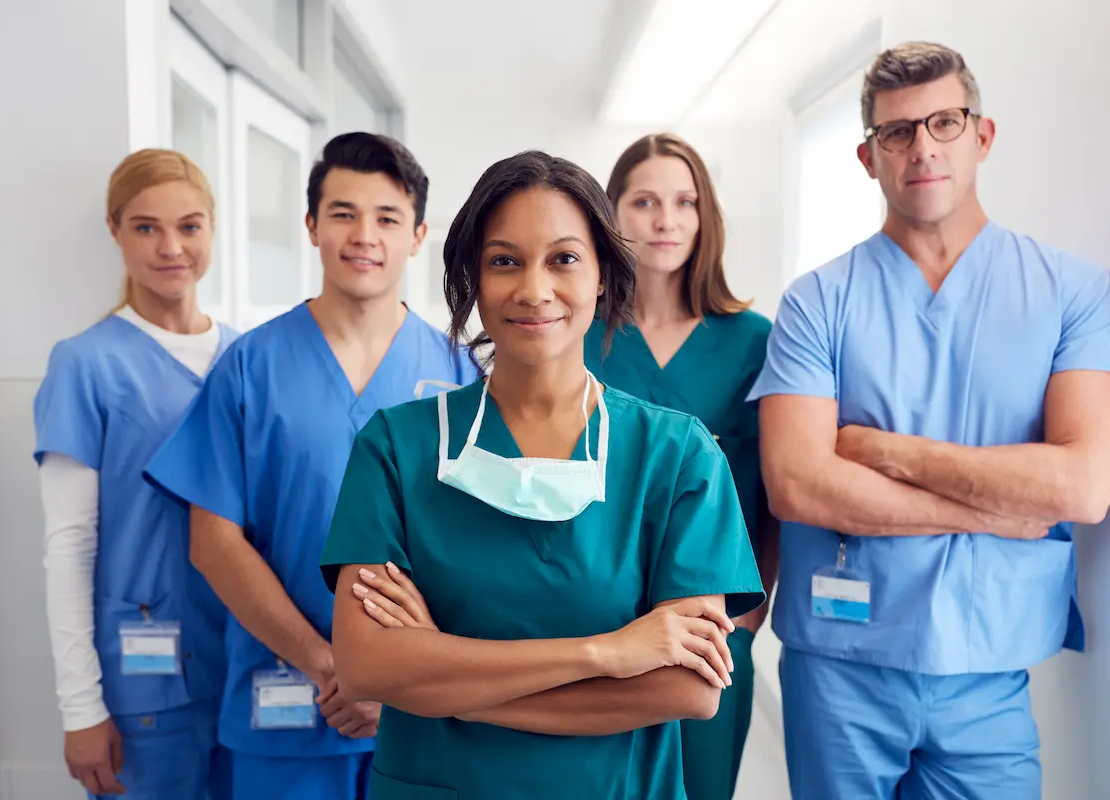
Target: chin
<point>663,267</point>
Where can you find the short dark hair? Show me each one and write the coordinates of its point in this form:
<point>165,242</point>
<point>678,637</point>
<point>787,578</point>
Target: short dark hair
<point>463,248</point>
<point>914,64</point>
<point>370,152</point>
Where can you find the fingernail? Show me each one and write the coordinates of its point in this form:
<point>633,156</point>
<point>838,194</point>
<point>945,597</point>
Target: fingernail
<point>369,603</point>
<point>360,590</point>
<point>367,574</point>
<point>389,565</point>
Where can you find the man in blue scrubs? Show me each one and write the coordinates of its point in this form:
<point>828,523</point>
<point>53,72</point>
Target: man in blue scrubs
<point>934,420</point>
<point>262,452</point>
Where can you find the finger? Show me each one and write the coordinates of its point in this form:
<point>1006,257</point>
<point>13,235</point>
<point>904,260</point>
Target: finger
<point>699,665</point>
<point>115,754</point>
<point>392,597</point>
<point>405,582</point>
<point>333,706</point>
<point>380,615</point>
<point>709,631</point>
<point>708,652</point>
<point>707,609</point>
<point>88,778</point>
<point>107,781</point>
<point>368,731</point>
<point>327,693</point>
<point>342,717</point>
<point>350,728</point>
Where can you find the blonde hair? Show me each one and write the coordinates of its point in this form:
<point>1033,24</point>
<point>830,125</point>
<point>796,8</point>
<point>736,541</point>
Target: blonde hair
<point>146,168</point>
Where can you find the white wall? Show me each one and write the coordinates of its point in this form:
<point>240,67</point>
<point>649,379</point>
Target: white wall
<point>66,127</point>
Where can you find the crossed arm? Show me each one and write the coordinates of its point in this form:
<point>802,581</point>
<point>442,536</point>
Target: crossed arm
<point>562,687</point>
<point>864,481</point>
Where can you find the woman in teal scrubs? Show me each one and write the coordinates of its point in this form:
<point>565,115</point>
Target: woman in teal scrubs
<point>578,552</point>
<point>695,348</point>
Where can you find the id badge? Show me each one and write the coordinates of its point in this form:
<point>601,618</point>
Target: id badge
<point>839,593</point>
<point>150,648</point>
<point>282,699</point>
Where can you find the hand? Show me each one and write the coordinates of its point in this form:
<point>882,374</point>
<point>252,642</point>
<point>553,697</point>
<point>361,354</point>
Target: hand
<point>95,757</point>
<point>863,445</point>
<point>392,600</point>
<point>687,634</point>
<point>1021,529</point>
<point>354,720</point>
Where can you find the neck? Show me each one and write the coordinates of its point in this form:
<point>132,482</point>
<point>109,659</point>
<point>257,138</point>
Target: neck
<point>659,298</point>
<point>935,247</point>
<point>345,318</point>
<point>525,390</point>
<point>176,315</point>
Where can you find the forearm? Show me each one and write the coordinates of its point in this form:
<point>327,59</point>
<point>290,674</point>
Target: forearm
<point>253,594</point>
<point>844,496</point>
<point>1035,481</point>
<point>606,706</point>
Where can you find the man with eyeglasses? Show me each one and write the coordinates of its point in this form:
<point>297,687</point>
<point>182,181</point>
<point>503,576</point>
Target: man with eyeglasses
<point>934,417</point>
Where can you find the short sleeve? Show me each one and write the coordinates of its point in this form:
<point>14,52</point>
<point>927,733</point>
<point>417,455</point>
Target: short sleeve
<point>69,416</point>
<point>366,526</point>
<point>1085,332</point>
<point>799,354</point>
<point>706,549</point>
<point>201,463</point>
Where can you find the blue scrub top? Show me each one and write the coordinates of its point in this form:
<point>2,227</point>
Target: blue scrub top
<point>709,376</point>
<point>265,446</point>
<point>111,395</point>
<point>670,526</point>
<point>968,364</point>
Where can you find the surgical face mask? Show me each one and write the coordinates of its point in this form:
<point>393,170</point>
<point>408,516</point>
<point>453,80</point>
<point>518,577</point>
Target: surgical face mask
<point>543,489</point>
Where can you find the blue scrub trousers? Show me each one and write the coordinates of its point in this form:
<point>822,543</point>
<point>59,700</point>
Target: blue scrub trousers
<point>860,732</point>
<point>173,755</point>
<point>329,778</point>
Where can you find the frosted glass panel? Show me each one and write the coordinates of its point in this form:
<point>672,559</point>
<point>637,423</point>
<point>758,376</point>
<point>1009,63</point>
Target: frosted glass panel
<point>278,19</point>
<point>274,224</point>
<point>839,205</point>
<point>195,134</point>
<point>350,111</point>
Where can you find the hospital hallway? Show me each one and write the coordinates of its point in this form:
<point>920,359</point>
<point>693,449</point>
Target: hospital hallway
<point>768,92</point>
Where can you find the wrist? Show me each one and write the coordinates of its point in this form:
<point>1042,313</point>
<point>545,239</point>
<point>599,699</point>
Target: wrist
<point>321,666</point>
<point>597,656</point>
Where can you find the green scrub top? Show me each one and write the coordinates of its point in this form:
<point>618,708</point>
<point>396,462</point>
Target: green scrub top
<point>709,376</point>
<point>670,527</point>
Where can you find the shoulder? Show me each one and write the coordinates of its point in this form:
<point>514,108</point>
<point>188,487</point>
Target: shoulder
<point>1064,267</point>
<point>89,353</point>
<point>662,428</point>
<point>747,323</point>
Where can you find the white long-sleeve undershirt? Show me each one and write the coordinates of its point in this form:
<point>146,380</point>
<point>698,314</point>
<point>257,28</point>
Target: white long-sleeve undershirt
<point>70,497</point>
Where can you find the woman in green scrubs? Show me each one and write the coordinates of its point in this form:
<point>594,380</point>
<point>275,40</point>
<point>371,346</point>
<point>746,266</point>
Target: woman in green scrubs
<point>695,348</point>
<point>575,554</point>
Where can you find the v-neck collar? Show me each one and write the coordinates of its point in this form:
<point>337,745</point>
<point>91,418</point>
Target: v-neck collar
<point>495,436</point>
<point>935,306</point>
<point>637,336</point>
<point>360,405</point>
<point>137,333</point>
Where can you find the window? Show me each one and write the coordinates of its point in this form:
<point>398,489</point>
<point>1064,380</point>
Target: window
<point>351,111</point>
<point>280,20</point>
<point>838,204</point>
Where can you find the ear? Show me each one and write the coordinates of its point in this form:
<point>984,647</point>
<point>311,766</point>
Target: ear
<point>987,132</point>
<point>866,157</point>
<point>113,228</point>
<point>310,223</point>
<point>600,289</point>
<point>418,238</point>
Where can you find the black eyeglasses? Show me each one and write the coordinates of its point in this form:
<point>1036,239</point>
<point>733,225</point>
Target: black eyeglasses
<point>944,126</point>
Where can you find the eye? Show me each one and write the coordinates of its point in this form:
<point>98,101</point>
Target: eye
<point>689,203</point>
<point>389,221</point>
<point>565,259</point>
<point>191,228</point>
<point>343,215</point>
<point>643,202</point>
<point>502,261</point>
<point>144,228</point>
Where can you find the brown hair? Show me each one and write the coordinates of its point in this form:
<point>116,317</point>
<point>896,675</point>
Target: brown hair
<point>914,64</point>
<point>705,289</point>
<point>146,168</point>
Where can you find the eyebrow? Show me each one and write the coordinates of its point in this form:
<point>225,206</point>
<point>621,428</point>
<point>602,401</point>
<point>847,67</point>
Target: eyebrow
<point>385,209</point>
<point>510,246</point>
<point>146,218</point>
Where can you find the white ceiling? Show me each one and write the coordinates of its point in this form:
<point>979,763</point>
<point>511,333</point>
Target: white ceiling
<point>531,52</point>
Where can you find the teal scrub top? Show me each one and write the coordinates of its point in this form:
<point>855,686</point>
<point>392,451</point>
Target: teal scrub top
<point>670,527</point>
<point>709,376</point>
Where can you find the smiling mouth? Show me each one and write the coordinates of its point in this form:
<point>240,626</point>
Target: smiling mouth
<point>925,181</point>
<point>171,268</point>
<point>362,263</point>
<point>663,245</point>
<point>535,323</point>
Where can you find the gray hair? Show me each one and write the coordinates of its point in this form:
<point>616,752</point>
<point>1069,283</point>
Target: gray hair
<point>914,64</point>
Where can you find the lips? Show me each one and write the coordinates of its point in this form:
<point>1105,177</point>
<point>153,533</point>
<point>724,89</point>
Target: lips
<point>534,323</point>
<point>361,263</point>
<point>664,245</point>
<point>926,180</point>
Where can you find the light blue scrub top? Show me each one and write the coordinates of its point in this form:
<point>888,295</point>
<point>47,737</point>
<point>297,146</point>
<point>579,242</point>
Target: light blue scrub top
<point>970,365</point>
<point>110,397</point>
<point>265,446</point>
<point>670,527</point>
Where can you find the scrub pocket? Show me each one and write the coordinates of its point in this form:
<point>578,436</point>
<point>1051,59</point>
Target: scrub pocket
<point>166,756</point>
<point>382,787</point>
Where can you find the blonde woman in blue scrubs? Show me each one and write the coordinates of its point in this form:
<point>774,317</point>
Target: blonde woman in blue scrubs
<point>697,349</point>
<point>548,564</point>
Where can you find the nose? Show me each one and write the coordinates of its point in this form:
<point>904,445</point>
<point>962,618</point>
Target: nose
<point>534,287</point>
<point>170,245</point>
<point>923,145</point>
<point>365,231</point>
<point>664,218</point>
